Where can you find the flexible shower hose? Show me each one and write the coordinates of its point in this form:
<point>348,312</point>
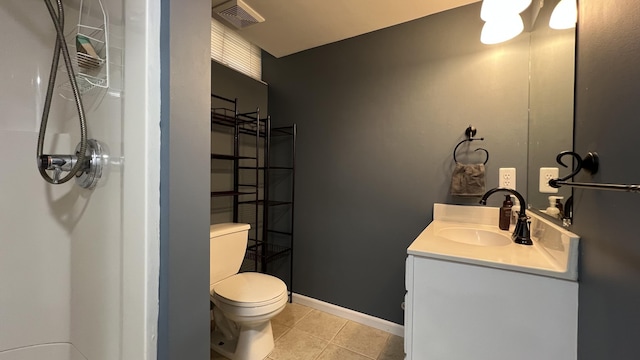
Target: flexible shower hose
<point>61,46</point>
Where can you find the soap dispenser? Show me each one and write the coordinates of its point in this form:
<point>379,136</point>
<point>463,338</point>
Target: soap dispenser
<point>515,209</point>
<point>505,213</point>
<point>552,210</point>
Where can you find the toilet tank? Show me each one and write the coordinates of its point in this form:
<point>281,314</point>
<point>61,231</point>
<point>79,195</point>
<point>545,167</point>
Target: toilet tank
<point>228,243</point>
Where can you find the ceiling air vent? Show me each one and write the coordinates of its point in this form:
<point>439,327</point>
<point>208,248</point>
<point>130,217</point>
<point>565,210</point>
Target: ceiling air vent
<point>237,13</point>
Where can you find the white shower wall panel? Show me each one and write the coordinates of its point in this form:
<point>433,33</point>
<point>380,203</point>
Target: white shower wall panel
<point>96,247</point>
<point>61,249</point>
<point>35,288</point>
<point>26,38</point>
<point>96,241</point>
<point>60,351</point>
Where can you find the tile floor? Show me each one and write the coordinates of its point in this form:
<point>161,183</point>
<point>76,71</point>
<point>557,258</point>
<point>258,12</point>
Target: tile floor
<point>303,333</point>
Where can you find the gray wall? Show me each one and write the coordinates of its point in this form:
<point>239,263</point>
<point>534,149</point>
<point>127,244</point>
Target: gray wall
<point>607,112</point>
<point>183,326</point>
<point>378,117</point>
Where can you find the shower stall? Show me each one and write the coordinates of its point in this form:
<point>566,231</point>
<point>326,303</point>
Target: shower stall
<point>79,267</point>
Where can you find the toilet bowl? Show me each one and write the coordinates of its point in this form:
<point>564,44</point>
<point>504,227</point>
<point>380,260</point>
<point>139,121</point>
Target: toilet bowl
<point>243,303</point>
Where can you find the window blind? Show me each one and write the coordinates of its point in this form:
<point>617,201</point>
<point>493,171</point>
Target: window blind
<point>230,49</point>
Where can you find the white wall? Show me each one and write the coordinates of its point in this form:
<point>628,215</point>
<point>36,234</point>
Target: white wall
<point>63,259</point>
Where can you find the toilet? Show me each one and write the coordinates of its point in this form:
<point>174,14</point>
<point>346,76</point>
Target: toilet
<point>243,303</point>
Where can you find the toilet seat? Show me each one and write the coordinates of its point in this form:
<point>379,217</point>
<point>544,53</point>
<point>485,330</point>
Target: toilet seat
<point>249,293</point>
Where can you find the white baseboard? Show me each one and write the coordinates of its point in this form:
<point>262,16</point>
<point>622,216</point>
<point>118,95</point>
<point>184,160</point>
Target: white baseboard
<point>349,314</point>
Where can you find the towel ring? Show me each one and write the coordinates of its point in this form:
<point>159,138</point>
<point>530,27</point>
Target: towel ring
<point>470,139</point>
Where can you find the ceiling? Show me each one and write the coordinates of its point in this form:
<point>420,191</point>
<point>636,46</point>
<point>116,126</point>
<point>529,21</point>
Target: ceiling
<point>291,26</point>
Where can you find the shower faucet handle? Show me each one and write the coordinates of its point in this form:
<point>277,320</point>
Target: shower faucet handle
<point>57,163</point>
<point>56,174</point>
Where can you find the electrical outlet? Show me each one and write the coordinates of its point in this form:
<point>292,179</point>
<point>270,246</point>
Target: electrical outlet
<point>547,174</point>
<point>507,178</point>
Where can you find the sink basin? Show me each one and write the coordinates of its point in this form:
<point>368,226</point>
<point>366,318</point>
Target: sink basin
<point>477,237</point>
<point>468,234</point>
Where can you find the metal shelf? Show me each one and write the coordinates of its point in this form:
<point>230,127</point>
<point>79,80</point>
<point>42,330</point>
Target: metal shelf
<point>221,116</point>
<point>266,252</point>
<point>285,147</point>
<point>274,202</point>
<point>284,131</point>
<point>280,232</point>
<point>266,245</point>
<point>224,111</point>
<point>231,193</point>
<point>269,168</point>
<point>232,157</point>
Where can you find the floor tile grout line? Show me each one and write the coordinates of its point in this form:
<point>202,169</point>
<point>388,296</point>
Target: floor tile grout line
<point>388,335</point>
<point>283,334</point>
<point>327,343</point>
<point>312,335</point>
<point>303,316</point>
<point>339,330</point>
<point>322,351</point>
<point>386,340</point>
<point>386,343</point>
<point>295,322</point>
<point>306,333</point>
<point>353,351</point>
<point>318,337</point>
<point>359,353</point>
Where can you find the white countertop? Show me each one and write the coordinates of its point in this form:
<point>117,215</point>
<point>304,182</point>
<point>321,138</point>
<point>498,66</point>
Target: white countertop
<point>554,251</point>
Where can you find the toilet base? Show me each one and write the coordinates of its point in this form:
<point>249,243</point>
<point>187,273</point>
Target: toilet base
<point>254,342</point>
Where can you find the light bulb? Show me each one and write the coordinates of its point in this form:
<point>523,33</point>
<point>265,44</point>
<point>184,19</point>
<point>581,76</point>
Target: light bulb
<point>494,9</point>
<point>564,15</point>
<point>501,29</point>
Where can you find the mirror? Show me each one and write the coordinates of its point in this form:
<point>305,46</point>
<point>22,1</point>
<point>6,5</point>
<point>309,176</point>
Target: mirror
<point>551,87</point>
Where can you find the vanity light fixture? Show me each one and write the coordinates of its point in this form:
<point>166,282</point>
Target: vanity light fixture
<point>500,30</point>
<point>564,15</point>
<point>503,21</point>
<point>496,9</point>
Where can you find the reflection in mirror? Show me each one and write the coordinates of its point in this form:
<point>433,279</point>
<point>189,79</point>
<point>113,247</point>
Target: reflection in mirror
<point>550,103</point>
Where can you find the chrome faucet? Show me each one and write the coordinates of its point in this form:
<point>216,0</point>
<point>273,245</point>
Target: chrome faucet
<point>521,234</point>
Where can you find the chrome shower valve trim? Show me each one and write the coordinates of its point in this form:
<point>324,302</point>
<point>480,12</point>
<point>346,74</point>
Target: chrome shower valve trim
<point>90,171</point>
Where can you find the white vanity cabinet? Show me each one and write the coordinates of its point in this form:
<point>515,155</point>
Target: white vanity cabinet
<point>456,311</point>
<point>504,302</point>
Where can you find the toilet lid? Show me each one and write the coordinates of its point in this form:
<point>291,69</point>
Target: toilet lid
<point>250,288</point>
